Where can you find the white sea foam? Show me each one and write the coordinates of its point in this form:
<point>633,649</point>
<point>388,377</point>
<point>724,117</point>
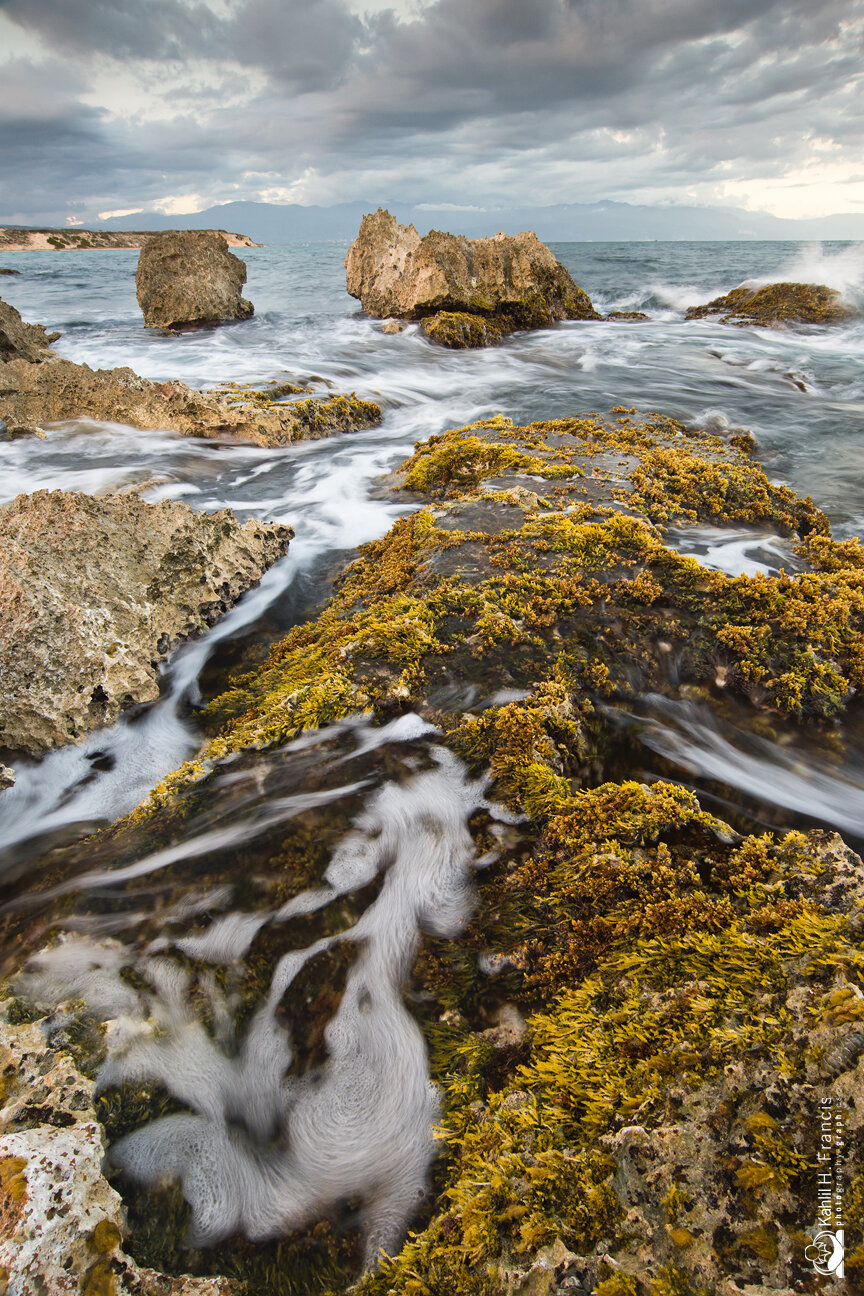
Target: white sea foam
<point>262,1151</point>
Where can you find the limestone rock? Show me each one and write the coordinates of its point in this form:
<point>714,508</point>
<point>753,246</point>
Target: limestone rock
<point>33,394</point>
<point>94,592</point>
<point>188,277</point>
<point>7,777</point>
<point>61,1222</point>
<point>776,305</point>
<point>514,279</point>
<point>20,341</point>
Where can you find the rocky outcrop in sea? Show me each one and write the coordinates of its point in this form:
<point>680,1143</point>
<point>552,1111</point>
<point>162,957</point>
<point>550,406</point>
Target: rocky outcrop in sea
<point>467,292</point>
<point>188,278</point>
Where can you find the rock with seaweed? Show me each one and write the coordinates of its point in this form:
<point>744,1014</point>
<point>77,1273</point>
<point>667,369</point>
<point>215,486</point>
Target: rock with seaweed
<point>506,282</point>
<point>188,278</point>
<point>96,591</point>
<point>39,388</point>
<point>634,1035</point>
<point>777,305</point>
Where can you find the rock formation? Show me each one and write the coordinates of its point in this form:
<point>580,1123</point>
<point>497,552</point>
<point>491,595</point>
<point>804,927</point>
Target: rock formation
<point>20,341</point>
<point>187,278</point>
<point>94,593</point>
<point>86,240</point>
<point>776,305</point>
<point>690,993</point>
<point>37,387</point>
<point>61,1222</point>
<point>510,281</point>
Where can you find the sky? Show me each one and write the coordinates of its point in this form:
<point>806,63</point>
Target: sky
<point>115,106</point>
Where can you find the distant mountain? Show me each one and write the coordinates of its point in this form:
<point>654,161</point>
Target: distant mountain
<point>564,222</point>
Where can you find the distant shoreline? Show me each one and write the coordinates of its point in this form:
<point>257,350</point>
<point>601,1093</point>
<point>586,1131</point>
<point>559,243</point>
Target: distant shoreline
<point>16,239</point>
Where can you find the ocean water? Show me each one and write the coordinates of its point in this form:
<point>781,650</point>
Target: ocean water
<point>390,808</point>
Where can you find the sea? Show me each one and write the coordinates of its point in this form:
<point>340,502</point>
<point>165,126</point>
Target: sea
<point>800,391</point>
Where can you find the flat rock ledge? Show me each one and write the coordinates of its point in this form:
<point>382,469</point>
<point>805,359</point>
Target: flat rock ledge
<point>478,289</point>
<point>39,388</point>
<point>61,1222</point>
<point>94,592</point>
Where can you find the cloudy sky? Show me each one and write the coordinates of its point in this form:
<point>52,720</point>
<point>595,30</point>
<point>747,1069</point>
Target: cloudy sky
<point>108,106</point>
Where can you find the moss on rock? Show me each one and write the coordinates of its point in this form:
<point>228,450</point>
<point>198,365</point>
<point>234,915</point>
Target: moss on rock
<point>776,305</point>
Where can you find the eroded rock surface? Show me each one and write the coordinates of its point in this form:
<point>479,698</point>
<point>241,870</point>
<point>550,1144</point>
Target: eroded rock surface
<point>776,305</point>
<point>511,281</point>
<point>20,341</point>
<point>32,395</point>
<point>188,277</point>
<point>94,592</point>
<point>61,1222</point>
<point>38,387</point>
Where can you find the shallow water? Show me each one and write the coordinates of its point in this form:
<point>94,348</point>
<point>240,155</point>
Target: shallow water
<point>388,810</point>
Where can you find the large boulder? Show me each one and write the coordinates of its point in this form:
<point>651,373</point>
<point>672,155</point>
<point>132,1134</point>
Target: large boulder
<point>20,341</point>
<point>777,305</point>
<point>513,280</point>
<point>187,278</point>
<point>94,593</point>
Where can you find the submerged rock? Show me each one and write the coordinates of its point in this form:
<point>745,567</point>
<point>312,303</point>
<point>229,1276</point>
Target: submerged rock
<point>37,387</point>
<point>776,305</point>
<point>5,271</point>
<point>94,593</point>
<point>187,278</point>
<point>20,341</point>
<point>510,281</point>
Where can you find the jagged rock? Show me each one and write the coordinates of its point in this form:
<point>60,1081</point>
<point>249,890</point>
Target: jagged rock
<point>776,305</point>
<point>188,277</point>
<point>61,1222</point>
<point>20,341</point>
<point>512,279</point>
<point>93,594</point>
<point>32,394</point>
<point>7,777</point>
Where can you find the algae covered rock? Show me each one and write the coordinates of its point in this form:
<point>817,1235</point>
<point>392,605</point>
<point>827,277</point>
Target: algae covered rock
<point>20,341</point>
<point>512,280</point>
<point>634,1035</point>
<point>187,278</point>
<point>94,593</point>
<point>776,305</point>
<point>459,331</point>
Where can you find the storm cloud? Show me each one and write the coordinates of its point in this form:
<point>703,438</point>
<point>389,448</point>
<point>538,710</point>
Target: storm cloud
<point>179,104</point>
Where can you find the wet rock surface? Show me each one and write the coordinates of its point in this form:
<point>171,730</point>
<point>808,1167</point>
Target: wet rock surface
<point>94,593</point>
<point>61,1222</point>
<point>777,305</point>
<point>188,278</point>
<point>635,1032</point>
<point>20,341</point>
<point>38,387</point>
<point>508,282</point>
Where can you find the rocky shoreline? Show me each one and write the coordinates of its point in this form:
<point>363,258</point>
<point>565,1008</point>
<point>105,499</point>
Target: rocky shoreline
<point>74,239</point>
<point>634,1031</point>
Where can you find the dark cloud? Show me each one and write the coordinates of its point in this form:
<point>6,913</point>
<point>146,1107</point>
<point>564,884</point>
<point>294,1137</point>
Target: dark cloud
<point>541,100</point>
